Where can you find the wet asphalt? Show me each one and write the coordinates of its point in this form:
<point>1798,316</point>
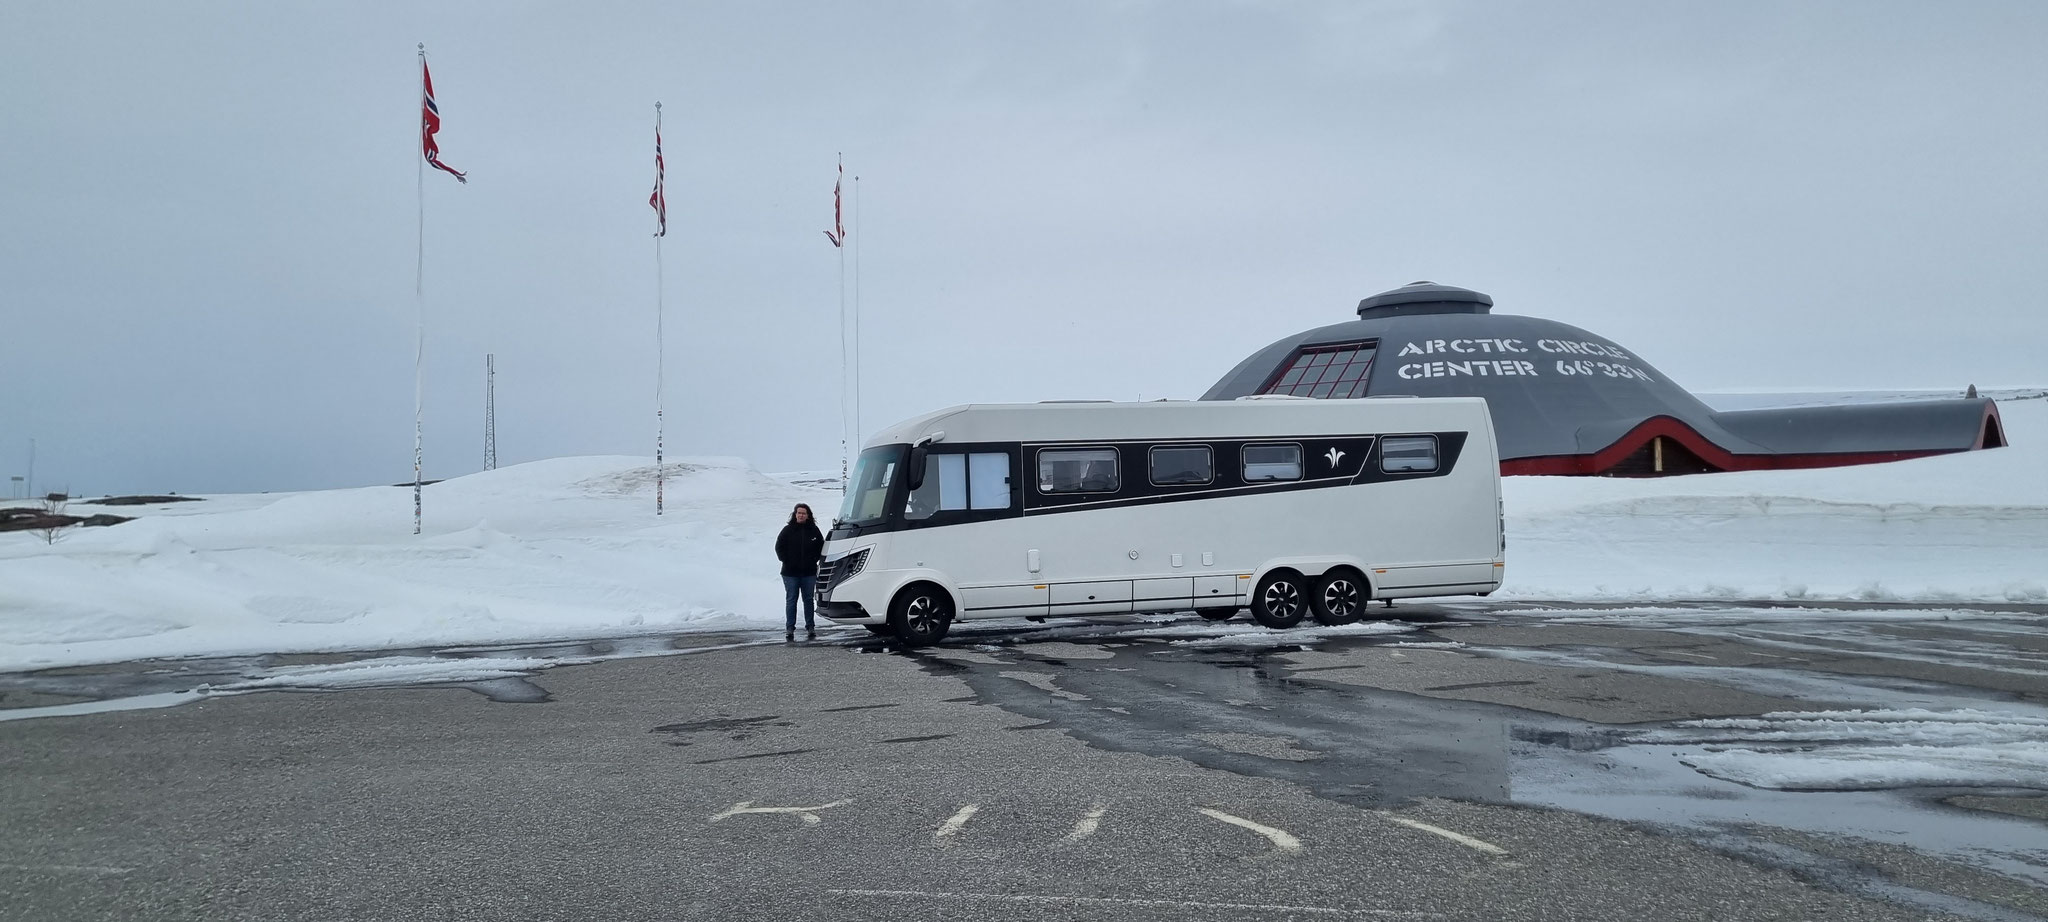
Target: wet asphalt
<point>1472,763</point>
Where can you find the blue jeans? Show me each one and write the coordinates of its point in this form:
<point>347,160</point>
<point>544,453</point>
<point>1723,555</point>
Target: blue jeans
<point>793,586</point>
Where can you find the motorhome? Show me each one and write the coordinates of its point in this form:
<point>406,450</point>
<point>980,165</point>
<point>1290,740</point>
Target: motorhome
<point>1288,506</point>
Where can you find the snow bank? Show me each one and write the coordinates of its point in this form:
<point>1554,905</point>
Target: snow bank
<point>570,548</point>
<point>567,548</point>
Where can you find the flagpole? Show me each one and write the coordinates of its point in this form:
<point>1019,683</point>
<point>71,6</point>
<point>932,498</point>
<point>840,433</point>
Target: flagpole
<point>840,245</point>
<point>419,288</point>
<point>660,353</point>
<point>856,311</point>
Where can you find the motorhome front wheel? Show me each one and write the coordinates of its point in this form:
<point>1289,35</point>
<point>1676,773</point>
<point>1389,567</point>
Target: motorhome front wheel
<point>921,614</point>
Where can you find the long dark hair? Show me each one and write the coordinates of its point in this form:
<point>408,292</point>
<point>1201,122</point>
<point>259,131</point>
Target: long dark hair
<point>806,507</point>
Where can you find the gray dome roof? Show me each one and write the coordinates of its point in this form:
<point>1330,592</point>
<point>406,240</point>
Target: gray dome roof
<point>1565,395</point>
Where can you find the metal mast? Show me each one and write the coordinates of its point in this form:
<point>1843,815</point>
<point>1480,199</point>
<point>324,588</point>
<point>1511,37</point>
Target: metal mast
<point>490,411</point>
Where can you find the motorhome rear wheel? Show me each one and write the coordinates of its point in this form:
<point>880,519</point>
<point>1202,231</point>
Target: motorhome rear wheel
<point>1340,596</point>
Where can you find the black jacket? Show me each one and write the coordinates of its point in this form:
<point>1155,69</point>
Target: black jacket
<point>799,547</point>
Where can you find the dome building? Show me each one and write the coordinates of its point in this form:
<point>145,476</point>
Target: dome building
<point>1566,401</point>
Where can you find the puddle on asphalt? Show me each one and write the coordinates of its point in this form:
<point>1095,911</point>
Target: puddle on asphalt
<point>1654,786</point>
<point>509,690</point>
<point>1378,748</point>
<point>1246,712</point>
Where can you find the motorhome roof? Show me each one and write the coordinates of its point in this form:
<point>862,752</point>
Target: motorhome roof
<point>982,422</point>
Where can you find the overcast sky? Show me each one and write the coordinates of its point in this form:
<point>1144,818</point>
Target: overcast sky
<point>209,211</point>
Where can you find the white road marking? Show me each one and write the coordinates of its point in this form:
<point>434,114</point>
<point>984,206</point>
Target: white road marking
<point>958,820</point>
<point>807,814</point>
<point>1465,840</point>
<point>1280,839</point>
<point>138,702</point>
<point>1693,655</point>
<point>1108,901</point>
<point>1086,827</point>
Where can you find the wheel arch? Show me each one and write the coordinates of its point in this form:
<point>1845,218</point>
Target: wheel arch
<point>1363,575</point>
<point>1311,569</point>
<point>902,580</point>
<point>952,595</point>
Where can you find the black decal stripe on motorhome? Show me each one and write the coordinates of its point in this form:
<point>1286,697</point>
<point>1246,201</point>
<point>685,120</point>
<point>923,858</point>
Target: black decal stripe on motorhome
<point>1357,461</point>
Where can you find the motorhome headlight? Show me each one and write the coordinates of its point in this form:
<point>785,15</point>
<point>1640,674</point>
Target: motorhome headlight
<point>840,569</point>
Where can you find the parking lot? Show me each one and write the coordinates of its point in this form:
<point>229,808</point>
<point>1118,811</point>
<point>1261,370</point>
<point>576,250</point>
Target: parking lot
<point>1461,761</point>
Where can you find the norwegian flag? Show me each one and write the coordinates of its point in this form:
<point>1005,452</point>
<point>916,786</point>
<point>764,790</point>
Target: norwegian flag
<point>838,232</point>
<point>430,122</point>
<point>659,200</point>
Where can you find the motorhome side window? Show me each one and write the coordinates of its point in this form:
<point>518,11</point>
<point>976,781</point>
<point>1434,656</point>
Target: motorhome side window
<point>1272,461</point>
<point>1175,465</point>
<point>960,482</point>
<point>1408,454</point>
<point>1082,470</point>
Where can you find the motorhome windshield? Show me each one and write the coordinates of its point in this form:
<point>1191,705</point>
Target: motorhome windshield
<point>867,492</point>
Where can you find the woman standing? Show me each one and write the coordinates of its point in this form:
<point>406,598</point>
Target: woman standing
<point>799,547</point>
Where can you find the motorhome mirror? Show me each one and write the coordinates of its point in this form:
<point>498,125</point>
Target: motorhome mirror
<point>917,466</point>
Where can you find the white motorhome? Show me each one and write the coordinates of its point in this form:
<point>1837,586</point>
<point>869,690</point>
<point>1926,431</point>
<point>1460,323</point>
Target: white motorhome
<point>1288,506</point>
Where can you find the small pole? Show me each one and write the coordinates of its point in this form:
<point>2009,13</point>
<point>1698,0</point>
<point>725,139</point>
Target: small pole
<point>490,411</point>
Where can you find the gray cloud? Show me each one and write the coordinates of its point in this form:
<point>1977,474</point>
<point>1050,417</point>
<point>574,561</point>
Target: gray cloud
<point>209,247</point>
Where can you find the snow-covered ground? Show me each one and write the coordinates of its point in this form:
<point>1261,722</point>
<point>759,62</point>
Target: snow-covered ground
<point>563,548</point>
<point>570,548</point>
<point>1968,527</point>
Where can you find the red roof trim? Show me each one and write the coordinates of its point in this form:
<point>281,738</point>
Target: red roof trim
<point>1985,426</point>
<point>1714,455</point>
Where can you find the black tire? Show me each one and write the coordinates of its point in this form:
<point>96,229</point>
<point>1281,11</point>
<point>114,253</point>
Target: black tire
<point>1341,597</point>
<point>921,615</point>
<point>882,629</point>
<point>1281,600</point>
<point>1217,614</point>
